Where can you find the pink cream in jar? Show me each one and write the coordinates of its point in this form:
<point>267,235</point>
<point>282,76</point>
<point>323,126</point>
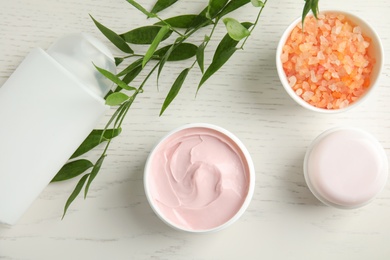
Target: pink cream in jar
<point>199,178</point>
<point>345,167</point>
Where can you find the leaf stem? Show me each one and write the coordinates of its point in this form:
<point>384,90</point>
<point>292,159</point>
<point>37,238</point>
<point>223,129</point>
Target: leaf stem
<point>140,89</point>
<point>192,31</point>
<point>254,25</point>
<point>105,148</point>
<point>127,108</point>
<point>211,33</point>
<point>170,27</point>
<point>133,55</point>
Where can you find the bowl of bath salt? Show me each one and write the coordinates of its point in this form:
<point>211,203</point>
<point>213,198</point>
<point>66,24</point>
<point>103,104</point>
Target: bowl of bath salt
<point>332,63</point>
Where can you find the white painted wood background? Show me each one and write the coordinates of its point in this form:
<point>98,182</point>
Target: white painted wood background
<point>283,221</point>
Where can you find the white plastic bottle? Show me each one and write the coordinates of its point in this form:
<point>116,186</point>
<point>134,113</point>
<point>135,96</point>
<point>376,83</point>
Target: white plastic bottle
<point>48,106</point>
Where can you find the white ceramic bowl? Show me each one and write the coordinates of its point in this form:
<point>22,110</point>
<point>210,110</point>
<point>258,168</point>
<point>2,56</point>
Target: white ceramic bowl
<point>375,50</point>
<point>345,167</point>
<point>157,178</point>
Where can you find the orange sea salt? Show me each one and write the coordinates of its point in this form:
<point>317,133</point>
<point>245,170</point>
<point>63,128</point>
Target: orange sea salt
<point>327,64</point>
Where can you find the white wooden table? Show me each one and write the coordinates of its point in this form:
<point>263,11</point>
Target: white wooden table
<point>283,221</point>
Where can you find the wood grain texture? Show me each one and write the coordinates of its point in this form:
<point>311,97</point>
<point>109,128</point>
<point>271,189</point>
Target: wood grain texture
<point>283,221</point>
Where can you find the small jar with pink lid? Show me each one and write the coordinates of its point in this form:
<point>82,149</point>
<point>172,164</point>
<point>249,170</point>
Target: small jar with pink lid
<point>345,167</point>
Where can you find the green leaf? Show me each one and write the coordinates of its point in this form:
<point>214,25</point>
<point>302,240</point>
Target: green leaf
<point>163,31</point>
<point>182,51</point>
<point>122,112</point>
<point>235,29</point>
<point>72,169</point>
<point>257,3</point>
<point>200,56</point>
<point>93,173</point>
<point>116,99</point>
<point>132,75</point>
<point>114,78</point>
<point>140,8</point>
<point>314,8</point>
<point>75,192</point>
<point>224,51</point>
<point>231,6</point>
<point>181,21</point>
<point>118,60</point>
<point>144,35</point>
<point>113,37</point>
<point>112,118</point>
<point>161,5</point>
<point>174,89</point>
<point>228,43</point>
<point>216,65</point>
<point>94,139</point>
<point>199,20</point>
<point>214,7</point>
<point>310,5</point>
<point>164,59</point>
<point>130,68</point>
<point>127,79</point>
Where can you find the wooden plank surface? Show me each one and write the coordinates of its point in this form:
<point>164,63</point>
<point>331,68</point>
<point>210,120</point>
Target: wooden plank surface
<point>283,221</point>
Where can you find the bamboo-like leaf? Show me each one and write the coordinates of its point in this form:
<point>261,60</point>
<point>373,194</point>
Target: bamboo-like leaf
<point>130,68</point>
<point>225,49</point>
<point>314,8</point>
<point>116,99</point>
<point>75,192</point>
<point>182,51</point>
<point>144,35</point>
<point>114,78</point>
<point>140,8</point>
<point>306,10</point>
<point>164,59</point>
<point>132,75</point>
<point>94,139</point>
<point>200,56</point>
<point>231,6</point>
<point>72,169</point>
<point>93,173</point>
<point>181,21</point>
<point>118,60</point>
<point>228,43</point>
<point>216,65</point>
<point>127,79</point>
<point>199,20</point>
<point>112,118</point>
<point>113,37</point>
<point>214,7</point>
<point>235,29</point>
<point>149,53</point>
<point>174,89</point>
<point>161,5</point>
<point>122,112</point>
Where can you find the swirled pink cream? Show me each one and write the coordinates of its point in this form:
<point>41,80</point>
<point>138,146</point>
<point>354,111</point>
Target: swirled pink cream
<point>199,178</point>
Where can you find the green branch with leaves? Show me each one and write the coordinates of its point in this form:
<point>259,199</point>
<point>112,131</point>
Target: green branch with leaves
<point>183,27</point>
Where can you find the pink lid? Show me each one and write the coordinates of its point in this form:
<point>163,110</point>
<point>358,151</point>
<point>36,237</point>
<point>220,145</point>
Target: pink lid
<point>345,167</point>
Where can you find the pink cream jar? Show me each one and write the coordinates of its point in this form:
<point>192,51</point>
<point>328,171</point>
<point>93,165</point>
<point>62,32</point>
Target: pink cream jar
<point>345,167</point>
<point>199,178</point>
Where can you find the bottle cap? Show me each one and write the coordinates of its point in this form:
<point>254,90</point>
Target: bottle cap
<point>78,53</point>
